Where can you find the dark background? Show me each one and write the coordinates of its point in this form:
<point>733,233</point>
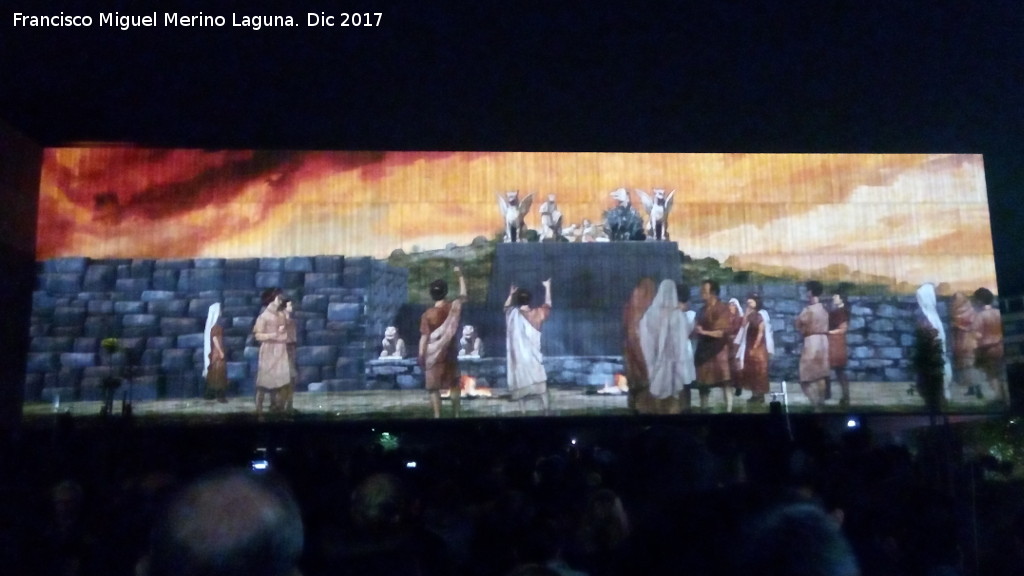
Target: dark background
<point>825,76</point>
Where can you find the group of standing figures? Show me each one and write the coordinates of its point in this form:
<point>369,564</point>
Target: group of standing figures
<point>276,373</point>
<point>976,347</point>
<point>439,347</point>
<point>671,350</point>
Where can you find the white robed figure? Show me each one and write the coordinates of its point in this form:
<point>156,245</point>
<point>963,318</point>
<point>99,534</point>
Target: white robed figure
<point>927,301</point>
<point>664,333</point>
<point>525,362</point>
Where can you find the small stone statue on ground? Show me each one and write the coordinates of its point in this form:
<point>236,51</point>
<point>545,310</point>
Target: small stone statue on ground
<point>392,346</point>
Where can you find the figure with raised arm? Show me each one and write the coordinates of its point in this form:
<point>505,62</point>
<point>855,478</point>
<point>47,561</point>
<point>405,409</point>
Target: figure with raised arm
<point>438,348</point>
<point>525,364</point>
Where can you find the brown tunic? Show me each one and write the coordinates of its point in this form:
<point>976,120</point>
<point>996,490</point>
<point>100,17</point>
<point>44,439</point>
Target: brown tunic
<point>964,342</point>
<point>754,375</point>
<point>217,371</point>
<point>711,355</point>
<point>989,355</point>
<point>837,355</point>
<point>444,373</point>
<point>633,356</point>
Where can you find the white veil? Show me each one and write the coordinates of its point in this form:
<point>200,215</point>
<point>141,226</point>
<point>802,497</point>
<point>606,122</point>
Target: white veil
<point>927,301</point>
<point>212,315</point>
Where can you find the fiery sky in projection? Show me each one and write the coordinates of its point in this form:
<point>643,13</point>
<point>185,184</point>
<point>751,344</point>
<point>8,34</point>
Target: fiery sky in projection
<point>912,218</point>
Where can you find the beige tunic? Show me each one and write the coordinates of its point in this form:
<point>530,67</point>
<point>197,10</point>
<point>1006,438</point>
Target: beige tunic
<point>274,368</point>
<point>813,324</point>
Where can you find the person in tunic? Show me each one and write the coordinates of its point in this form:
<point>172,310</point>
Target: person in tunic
<point>215,367</point>
<point>663,331</point>
<point>838,324</point>
<point>989,356</point>
<point>633,363</point>
<point>812,323</point>
<point>291,329</point>
<point>735,324</point>
<point>756,346</point>
<point>273,372</point>
<point>683,293</point>
<point>525,362</point>
<point>964,344</point>
<point>928,308</point>
<point>711,354</point>
<point>438,347</point>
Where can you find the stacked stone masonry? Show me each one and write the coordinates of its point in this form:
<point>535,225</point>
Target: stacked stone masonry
<point>157,309</point>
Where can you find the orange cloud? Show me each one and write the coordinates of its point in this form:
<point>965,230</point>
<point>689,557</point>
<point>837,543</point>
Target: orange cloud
<point>866,211</point>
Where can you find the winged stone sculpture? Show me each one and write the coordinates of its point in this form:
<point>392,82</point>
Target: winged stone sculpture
<point>658,206</point>
<point>514,211</point>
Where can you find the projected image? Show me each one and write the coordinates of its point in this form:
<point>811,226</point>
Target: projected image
<point>440,284</point>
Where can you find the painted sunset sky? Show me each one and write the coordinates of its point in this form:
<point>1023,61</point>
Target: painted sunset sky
<point>911,218</point>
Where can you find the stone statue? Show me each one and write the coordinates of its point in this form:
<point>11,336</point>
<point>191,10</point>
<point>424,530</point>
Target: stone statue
<point>514,212</point>
<point>623,222</point>
<point>590,232</point>
<point>470,345</point>
<point>392,346</point>
<point>550,220</point>
<point>657,208</point>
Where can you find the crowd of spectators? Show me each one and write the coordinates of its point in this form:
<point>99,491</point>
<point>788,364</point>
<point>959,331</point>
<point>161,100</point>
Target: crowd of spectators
<point>494,498</point>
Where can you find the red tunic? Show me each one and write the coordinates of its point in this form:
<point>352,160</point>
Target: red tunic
<point>837,355</point>
<point>711,355</point>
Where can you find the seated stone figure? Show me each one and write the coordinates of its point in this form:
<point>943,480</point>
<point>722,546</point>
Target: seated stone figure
<point>392,346</point>
<point>470,345</point>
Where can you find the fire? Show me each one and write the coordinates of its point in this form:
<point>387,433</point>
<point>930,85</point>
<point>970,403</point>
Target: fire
<point>618,385</point>
<point>469,388</point>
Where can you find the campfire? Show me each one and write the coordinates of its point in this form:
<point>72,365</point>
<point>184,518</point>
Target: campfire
<point>618,385</point>
<point>469,388</point>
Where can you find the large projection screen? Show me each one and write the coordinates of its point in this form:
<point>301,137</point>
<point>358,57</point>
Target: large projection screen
<point>136,245</point>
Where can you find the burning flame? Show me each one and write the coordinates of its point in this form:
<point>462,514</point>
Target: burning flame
<point>618,385</point>
<point>469,388</point>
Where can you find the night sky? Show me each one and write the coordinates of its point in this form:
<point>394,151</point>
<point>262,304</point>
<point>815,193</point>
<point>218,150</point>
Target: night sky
<point>936,77</point>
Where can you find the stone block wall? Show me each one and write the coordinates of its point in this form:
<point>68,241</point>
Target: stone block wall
<point>490,371</point>
<point>880,340</point>
<point>157,310</point>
